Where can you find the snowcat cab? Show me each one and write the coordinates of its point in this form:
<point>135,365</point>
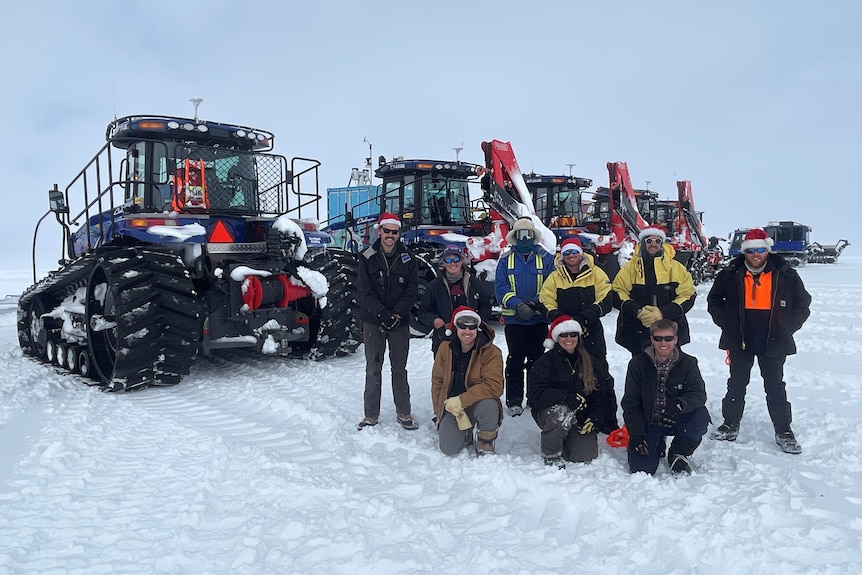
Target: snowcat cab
<point>182,247</point>
<point>791,241</point>
<point>558,202</point>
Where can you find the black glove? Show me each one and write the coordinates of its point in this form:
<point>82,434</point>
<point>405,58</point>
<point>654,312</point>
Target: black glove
<point>589,315</point>
<point>553,314</point>
<point>639,444</point>
<point>576,401</point>
<point>524,312</point>
<point>671,412</point>
<point>389,320</point>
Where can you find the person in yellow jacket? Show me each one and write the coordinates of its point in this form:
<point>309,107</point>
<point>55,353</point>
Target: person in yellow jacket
<point>649,287</point>
<point>466,385</point>
<point>582,290</point>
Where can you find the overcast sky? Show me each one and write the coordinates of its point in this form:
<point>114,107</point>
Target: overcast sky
<point>757,103</point>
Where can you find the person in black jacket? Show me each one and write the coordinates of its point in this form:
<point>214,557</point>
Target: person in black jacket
<point>388,289</point>
<point>568,396</point>
<point>759,302</point>
<point>453,287</point>
<point>665,395</point>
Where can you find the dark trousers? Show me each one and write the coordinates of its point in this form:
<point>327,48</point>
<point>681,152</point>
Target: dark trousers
<point>688,430</point>
<point>772,371</point>
<point>525,346</point>
<point>560,435</point>
<point>375,342</point>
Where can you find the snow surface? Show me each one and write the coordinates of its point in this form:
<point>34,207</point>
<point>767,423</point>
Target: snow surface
<point>253,465</point>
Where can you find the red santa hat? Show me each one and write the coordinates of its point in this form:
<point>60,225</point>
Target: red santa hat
<point>388,218</point>
<point>572,244</point>
<point>653,230</point>
<point>563,324</point>
<point>461,312</point>
<point>757,238</point>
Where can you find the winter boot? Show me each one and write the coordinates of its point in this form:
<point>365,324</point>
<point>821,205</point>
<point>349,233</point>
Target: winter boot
<point>367,421</point>
<point>407,422</point>
<point>485,442</point>
<point>680,465</point>
<point>679,453</point>
<point>554,460</point>
<point>787,442</point>
<point>515,410</point>
<point>726,432</point>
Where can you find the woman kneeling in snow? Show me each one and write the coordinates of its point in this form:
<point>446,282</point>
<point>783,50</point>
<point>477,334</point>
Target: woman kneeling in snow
<point>566,400</point>
<point>466,385</point>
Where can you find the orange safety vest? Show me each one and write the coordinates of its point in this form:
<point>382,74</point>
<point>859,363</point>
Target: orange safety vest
<point>758,291</point>
<point>190,190</point>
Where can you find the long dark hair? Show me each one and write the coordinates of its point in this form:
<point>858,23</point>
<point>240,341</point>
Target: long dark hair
<point>584,367</point>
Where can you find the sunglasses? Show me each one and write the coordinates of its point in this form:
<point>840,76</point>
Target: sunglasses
<point>452,259</point>
<point>750,251</point>
<point>523,235</point>
<point>569,252</point>
<point>467,325</point>
<point>667,338</point>
<point>653,240</point>
<point>388,231</point>
<point>570,334</point>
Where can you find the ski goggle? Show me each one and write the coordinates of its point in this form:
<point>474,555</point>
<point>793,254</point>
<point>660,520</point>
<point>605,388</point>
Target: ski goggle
<point>750,251</point>
<point>467,324</point>
<point>523,235</point>
<point>667,338</point>
<point>452,259</point>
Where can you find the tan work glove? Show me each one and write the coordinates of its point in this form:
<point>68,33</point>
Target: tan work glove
<point>453,406</point>
<point>586,427</point>
<point>649,314</point>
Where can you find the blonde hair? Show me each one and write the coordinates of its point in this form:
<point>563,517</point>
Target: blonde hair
<point>585,369</point>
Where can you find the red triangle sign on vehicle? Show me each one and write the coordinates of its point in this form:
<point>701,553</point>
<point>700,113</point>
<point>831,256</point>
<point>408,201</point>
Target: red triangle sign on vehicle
<point>220,234</point>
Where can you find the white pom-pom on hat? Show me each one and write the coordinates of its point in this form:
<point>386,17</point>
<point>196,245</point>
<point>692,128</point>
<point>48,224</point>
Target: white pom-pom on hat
<point>563,324</point>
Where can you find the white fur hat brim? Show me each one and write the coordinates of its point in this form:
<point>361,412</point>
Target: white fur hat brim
<point>463,314</point>
<point>567,326</point>
<point>649,232</point>
<point>766,243</point>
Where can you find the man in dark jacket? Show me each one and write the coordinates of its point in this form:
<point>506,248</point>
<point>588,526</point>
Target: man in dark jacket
<point>665,395</point>
<point>758,301</point>
<point>388,289</point>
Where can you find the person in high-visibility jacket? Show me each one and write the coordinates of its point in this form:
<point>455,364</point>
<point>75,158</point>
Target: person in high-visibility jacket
<point>520,274</point>
<point>649,287</point>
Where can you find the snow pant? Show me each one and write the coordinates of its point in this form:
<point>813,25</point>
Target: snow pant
<point>560,434</point>
<point>688,430</point>
<point>772,371</point>
<point>525,344</point>
<point>485,415</point>
<point>375,341</point>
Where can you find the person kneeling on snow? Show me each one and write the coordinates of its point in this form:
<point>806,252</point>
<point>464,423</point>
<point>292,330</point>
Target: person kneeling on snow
<point>570,397</point>
<point>466,385</point>
<point>665,395</point>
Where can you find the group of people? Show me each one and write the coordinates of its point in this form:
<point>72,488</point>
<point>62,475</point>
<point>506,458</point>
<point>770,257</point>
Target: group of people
<point>551,310</point>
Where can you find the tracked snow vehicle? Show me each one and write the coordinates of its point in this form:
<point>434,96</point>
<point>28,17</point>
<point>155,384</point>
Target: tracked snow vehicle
<point>197,240</point>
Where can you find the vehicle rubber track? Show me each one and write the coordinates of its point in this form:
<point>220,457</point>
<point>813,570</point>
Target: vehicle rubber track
<point>150,306</point>
<point>340,329</point>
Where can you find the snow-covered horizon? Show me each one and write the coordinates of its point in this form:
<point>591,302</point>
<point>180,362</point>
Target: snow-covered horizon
<point>253,464</point>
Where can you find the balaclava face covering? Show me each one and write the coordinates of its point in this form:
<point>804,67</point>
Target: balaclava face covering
<point>524,246</point>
